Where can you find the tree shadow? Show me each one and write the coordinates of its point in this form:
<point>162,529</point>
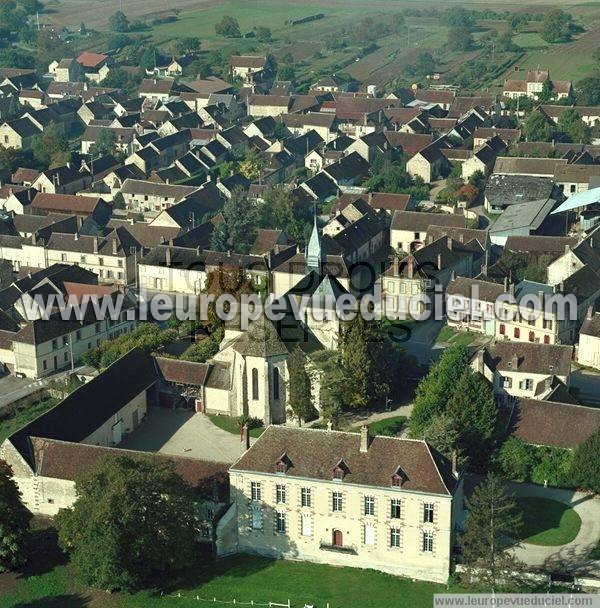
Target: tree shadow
<point>273,546</point>
<point>56,601</point>
<point>43,553</point>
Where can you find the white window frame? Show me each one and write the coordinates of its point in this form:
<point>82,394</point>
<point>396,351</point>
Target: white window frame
<point>280,494</point>
<point>255,491</point>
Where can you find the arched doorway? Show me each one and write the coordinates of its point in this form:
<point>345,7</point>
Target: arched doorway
<point>337,538</point>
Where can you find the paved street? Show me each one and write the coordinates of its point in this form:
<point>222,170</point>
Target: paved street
<point>421,343</point>
<point>13,388</point>
<point>572,556</point>
<point>184,433</point>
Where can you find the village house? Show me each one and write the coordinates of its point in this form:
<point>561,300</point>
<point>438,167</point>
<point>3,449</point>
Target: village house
<point>411,279</point>
<point>470,304</point>
<point>529,371</point>
<point>94,66</point>
<point>543,423</point>
<point>588,349</point>
<point>551,325</point>
<point>534,84</point>
<point>429,163</point>
<point>169,269</point>
<point>150,197</point>
<point>575,178</point>
<point>574,258</point>
<point>408,231</point>
<point>249,68</point>
<point>66,179</point>
<point>19,133</point>
<point>66,70</point>
<point>348,500</point>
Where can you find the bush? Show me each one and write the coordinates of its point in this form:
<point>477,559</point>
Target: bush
<point>251,421</point>
<point>542,465</point>
<point>585,464</point>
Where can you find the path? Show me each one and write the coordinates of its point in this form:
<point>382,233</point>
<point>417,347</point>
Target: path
<point>572,556</point>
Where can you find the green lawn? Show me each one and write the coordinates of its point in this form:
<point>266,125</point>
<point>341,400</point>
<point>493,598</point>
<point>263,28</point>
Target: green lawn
<point>15,420</point>
<point>595,552</point>
<point>241,578</point>
<point>231,425</point>
<point>548,522</point>
<point>389,427</point>
<point>452,336</point>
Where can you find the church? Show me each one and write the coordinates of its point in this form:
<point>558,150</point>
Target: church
<point>248,376</point>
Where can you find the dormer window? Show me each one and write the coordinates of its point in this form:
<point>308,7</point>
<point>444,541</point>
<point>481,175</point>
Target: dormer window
<point>340,470</point>
<point>283,464</point>
<point>398,478</point>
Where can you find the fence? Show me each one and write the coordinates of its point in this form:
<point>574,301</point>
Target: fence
<point>235,602</point>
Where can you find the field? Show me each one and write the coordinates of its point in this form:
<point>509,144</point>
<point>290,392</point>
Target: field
<point>306,43</point>
<point>240,578</point>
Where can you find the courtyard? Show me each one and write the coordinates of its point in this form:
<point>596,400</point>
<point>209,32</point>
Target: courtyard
<point>182,432</point>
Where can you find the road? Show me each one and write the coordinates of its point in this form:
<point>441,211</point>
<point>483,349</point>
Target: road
<point>13,388</point>
<point>571,557</point>
<point>421,341</point>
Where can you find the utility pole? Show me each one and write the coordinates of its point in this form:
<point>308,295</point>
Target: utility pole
<point>71,351</point>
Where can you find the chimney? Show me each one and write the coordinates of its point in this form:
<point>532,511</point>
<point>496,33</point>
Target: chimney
<point>115,246</point>
<point>454,464</point>
<point>511,289</point>
<point>449,240</point>
<point>95,244</point>
<point>410,269</point>
<point>364,438</point>
<point>567,248</point>
<point>514,362</point>
<point>131,221</point>
<point>246,436</point>
<point>439,261</point>
<point>590,313</point>
<point>168,256</point>
<point>33,238</point>
<point>479,361</point>
<point>506,284</point>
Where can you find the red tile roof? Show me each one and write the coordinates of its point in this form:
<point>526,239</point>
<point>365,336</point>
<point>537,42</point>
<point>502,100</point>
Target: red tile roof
<point>91,60</point>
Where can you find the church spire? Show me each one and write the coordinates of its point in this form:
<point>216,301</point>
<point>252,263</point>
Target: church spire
<point>314,253</point>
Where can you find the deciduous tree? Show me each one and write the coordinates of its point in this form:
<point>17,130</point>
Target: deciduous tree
<point>118,22</point>
<point>436,389</point>
<point>537,128</point>
<point>228,27</point>
<point>14,521</point>
<point>133,521</point>
<point>585,468</point>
